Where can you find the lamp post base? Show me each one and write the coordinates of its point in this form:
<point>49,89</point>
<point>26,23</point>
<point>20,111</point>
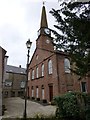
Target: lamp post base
<point>24,115</point>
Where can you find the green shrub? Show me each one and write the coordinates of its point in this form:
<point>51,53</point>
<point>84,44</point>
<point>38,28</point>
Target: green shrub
<point>53,102</point>
<point>88,107</point>
<point>71,105</point>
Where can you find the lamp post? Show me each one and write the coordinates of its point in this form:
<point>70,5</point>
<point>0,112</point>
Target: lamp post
<point>28,44</point>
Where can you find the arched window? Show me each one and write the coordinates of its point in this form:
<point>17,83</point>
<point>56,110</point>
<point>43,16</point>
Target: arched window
<point>37,72</point>
<point>29,75</point>
<point>32,74</point>
<point>50,66</point>
<point>67,65</point>
<point>83,87</point>
<point>42,70</point>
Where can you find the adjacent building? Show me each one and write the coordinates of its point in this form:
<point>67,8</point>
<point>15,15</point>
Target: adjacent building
<point>49,70</point>
<point>14,81</point>
<point>2,65</point>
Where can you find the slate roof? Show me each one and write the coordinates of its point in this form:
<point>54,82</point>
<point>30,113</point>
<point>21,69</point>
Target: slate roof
<point>14,69</point>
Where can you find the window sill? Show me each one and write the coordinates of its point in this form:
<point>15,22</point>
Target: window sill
<point>37,78</point>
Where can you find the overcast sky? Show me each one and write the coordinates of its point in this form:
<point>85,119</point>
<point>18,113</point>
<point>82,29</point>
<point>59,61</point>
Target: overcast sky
<point>20,20</point>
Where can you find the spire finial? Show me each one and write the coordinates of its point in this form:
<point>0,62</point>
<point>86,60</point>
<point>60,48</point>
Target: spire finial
<point>44,2</point>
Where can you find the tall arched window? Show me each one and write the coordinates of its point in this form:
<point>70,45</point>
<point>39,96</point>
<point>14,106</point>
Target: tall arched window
<point>50,66</point>
<point>29,75</point>
<point>37,72</point>
<point>32,74</point>
<point>67,65</point>
<point>42,70</point>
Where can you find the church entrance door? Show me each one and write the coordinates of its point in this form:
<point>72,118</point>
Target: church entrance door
<point>50,93</point>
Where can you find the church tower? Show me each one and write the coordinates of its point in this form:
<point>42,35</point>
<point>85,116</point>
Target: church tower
<point>44,39</point>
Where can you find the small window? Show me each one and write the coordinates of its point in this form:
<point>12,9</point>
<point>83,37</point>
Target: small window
<point>6,93</point>
<point>32,74</point>
<point>67,65</point>
<point>43,92</point>
<point>36,57</point>
<point>22,84</point>
<point>83,87</point>
<point>50,66</point>
<point>37,72</point>
<point>32,91</point>
<point>37,91</point>
<point>42,70</point>
<point>29,75</point>
<point>8,83</point>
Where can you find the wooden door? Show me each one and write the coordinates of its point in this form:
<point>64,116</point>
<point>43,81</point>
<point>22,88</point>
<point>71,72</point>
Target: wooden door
<point>50,93</point>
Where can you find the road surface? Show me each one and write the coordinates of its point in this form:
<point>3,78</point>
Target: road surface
<point>15,108</point>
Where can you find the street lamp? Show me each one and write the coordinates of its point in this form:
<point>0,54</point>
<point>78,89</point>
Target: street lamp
<point>28,44</point>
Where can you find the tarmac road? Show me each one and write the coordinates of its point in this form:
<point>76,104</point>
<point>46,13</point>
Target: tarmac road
<point>15,108</point>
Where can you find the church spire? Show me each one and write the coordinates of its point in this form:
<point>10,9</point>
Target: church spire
<point>43,18</point>
<point>44,30</point>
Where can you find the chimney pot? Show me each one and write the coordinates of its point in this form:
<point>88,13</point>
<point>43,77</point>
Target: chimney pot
<point>19,66</point>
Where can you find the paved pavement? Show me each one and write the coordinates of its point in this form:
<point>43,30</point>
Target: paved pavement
<point>15,108</point>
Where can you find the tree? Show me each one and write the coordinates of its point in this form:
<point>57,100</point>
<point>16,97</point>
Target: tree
<point>73,35</point>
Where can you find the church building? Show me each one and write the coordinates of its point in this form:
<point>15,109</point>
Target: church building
<point>49,74</point>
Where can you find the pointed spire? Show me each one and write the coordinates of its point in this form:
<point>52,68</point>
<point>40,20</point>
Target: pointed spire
<point>43,17</point>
